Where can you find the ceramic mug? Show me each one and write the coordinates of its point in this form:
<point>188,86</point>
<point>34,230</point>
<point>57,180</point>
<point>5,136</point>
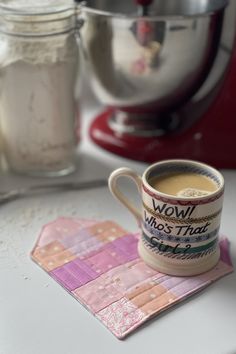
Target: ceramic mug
<point>179,234</point>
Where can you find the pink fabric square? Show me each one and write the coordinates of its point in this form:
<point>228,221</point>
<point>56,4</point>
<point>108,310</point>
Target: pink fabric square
<point>75,238</point>
<point>126,277</point>
<point>102,261</point>
<point>219,270</point>
<point>107,231</point>
<point>96,295</point>
<point>121,317</point>
<point>85,247</point>
<point>183,286</point>
<point>61,229</point>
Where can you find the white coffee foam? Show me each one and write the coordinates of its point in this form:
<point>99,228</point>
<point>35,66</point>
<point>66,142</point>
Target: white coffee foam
<point>192,193</point>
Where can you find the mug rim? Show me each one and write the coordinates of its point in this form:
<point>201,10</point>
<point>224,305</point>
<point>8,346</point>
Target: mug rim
<point>189,162</point>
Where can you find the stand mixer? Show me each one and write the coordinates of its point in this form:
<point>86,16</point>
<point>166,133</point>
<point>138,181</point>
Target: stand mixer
<point>167,73</point>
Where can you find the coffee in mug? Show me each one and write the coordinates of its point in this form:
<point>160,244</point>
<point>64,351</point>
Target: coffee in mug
<point>184,184</point>
<point>180,217</point>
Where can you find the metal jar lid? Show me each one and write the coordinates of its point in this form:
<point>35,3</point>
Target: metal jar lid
<point>27,19</point>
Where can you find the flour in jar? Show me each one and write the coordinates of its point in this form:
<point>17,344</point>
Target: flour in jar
<point>37,98</point>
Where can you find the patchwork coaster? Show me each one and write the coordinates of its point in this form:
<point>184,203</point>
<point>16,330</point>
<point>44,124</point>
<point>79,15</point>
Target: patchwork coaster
<point>98,264</point>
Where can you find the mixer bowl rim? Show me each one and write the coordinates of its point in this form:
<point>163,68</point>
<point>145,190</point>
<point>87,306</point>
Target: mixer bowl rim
<point>212,11</point>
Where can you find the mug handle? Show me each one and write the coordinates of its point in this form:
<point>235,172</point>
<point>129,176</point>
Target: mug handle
<point>112,183</point>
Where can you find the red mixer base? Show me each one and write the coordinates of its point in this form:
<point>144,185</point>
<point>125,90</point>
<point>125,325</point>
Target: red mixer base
<point>203,142</point>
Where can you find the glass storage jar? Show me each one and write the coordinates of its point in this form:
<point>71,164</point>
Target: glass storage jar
<point>38,77</point>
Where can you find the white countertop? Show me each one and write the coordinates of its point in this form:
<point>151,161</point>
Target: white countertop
<point>38,317</point>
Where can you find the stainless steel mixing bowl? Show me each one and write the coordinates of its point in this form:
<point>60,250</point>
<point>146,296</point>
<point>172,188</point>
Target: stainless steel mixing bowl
<point>153,63</point>
<point>129,70</point>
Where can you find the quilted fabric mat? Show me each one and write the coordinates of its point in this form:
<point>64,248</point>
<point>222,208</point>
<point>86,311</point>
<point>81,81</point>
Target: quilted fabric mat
<point>98,264</point>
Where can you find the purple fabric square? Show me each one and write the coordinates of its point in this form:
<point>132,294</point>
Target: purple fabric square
<point>66,279</point>
<point>102,261</point>
<point>74,274</point>
<point>86,246</point>
<point>74,239</point>
<point>171,282</point>
<point>183,286</point>
<point>82,266</point>
<point>224,254</point>
<point>127,247</point>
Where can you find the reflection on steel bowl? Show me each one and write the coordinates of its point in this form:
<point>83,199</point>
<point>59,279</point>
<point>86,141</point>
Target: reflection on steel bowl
<point>153,62</point>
